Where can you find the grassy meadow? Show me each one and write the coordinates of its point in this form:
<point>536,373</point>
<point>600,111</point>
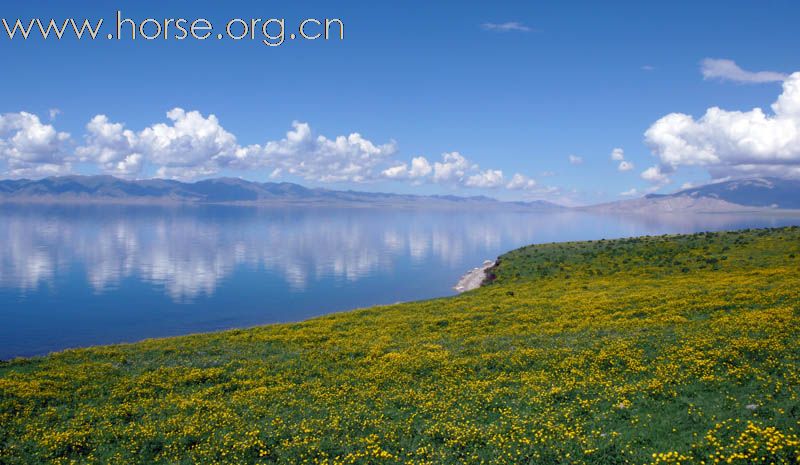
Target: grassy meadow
<point>670,349</point>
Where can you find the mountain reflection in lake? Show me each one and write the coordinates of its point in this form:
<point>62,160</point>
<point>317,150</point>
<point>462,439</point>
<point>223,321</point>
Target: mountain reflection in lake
<point>76,276</point>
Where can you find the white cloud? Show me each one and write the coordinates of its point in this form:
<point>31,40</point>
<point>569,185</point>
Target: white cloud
<point>625,166</point>
<point>728,70</point>
<point>734,142</point>
<point>656,175</point>
<point>648,68</point>
<point>396,172</point>
<point>346,158</point>
<point>508,26</point>
<point>186,172</point>
<point>420,167</point>
<point>456,170</point>
<point>38,170</point>
<point>53,113</point>
<point>521,182</point>
<point>451,169</point>
<point>191,145</point>
<point>112,147</point>
<point>575,160</point>
<point>488,179</point>
<point>192,142</point>
<point>25,138</point>
<point>32,148</point>
<point>630,192</point>
<point>619,155</point>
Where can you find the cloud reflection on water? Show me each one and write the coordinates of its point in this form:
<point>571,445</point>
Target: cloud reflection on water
<point>189,251</point>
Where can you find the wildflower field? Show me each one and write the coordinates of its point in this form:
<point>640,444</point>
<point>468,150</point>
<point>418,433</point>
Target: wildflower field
<point>670,349</point>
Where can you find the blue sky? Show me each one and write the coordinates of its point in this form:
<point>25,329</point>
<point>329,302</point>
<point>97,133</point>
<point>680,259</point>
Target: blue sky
<point>511,87</point>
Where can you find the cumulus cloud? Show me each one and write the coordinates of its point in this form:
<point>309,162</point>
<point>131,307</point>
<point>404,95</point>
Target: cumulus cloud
<point>575,160</point>
<point>488,179</point>
<point>112,147</point>
<point>420,167</point>
<point>456,170</point>
<point>656,175</point>
<point>396,172</point>
<point>32,148</point>
<point>191,140</point>
<point>346,158</point>
<point>728,70</point>
<point>730,143</point>
<point>521,182</point>
<point>625,166</point>
<point>619,155</point>
<point>451,169</point>
<point>509,26</point>
<point>190,145</point>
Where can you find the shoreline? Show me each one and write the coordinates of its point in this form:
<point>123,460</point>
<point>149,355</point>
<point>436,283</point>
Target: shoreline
<point>432,349</point>
<point>473,278</point>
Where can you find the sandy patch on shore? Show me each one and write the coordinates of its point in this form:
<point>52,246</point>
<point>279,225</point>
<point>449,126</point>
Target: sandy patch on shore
<point>474,277</point>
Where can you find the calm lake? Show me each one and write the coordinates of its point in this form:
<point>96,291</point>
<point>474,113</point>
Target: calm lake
<point>79,276</point>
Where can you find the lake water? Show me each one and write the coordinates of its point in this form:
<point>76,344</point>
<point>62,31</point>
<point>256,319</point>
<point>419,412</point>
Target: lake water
<point>78,276</point>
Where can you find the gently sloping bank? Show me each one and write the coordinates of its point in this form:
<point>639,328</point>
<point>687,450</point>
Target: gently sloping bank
<point>648,350</point>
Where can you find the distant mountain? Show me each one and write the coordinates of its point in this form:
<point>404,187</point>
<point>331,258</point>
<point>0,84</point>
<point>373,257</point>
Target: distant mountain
<point>108,189</point>
<point>752,192</point>
<point>727,196</point>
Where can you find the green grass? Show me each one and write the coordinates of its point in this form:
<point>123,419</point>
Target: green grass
<point>657,349</point>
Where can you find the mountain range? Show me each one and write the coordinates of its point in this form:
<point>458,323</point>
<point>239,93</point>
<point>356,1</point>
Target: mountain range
<point>235,191</point>
<point>728,196</point>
